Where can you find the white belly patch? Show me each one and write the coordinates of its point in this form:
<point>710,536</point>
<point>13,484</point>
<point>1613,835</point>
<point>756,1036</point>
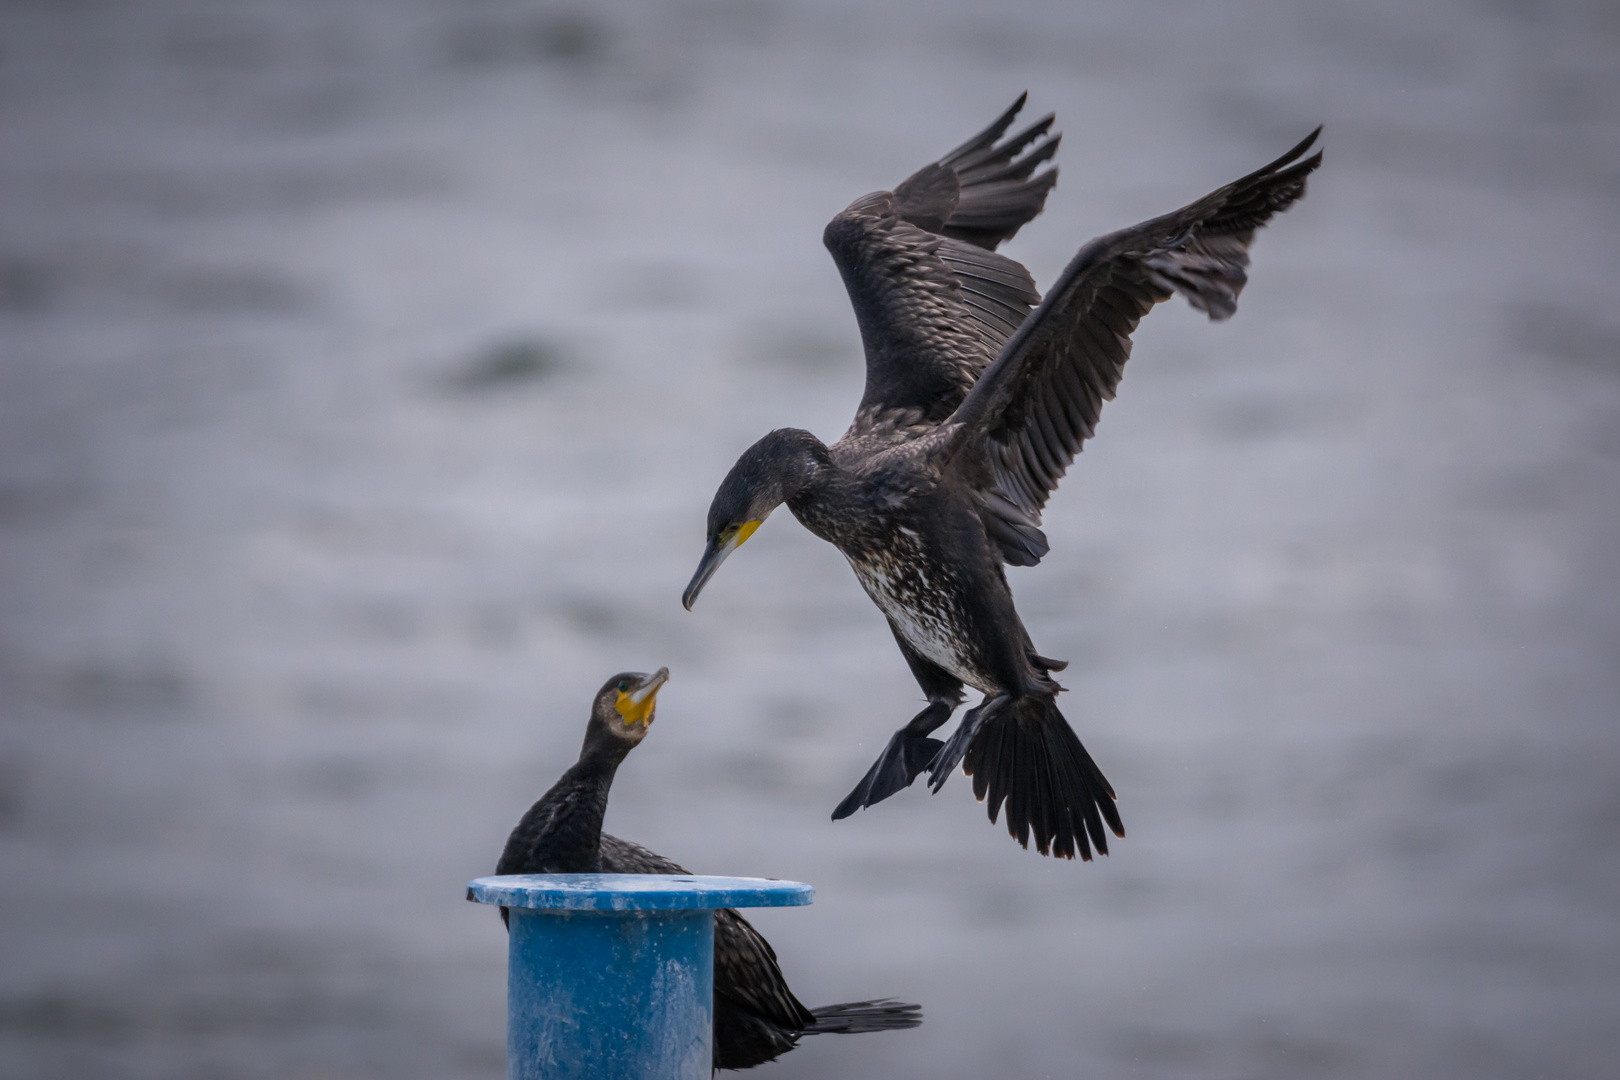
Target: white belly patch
<point>925,614</point>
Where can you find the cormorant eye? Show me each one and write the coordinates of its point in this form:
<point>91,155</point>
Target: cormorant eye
<point>624,686</point>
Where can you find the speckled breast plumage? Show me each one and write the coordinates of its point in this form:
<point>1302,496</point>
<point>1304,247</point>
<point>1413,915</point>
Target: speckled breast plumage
<point>921,597</point>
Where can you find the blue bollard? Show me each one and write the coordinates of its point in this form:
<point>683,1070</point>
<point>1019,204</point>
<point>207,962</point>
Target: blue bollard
<point>611,976</point>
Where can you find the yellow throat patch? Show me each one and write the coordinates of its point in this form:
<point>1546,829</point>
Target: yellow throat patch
<point>635,713</point>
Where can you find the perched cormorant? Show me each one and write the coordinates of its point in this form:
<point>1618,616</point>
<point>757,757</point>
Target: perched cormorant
<point>978,396</point>
<point>756,1017</point>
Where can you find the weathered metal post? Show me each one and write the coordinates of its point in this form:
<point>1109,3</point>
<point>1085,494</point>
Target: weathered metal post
<point>611,976</point>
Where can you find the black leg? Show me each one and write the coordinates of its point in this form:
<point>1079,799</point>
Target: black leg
<point>908,754</point>
<point>910,750</point>
<point>950,755</point>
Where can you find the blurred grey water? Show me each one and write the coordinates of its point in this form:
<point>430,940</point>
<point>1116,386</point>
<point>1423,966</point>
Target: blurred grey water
<point>366,369</point>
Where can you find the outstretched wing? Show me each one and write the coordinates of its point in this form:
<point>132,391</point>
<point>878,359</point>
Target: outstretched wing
<point>1026,418</point>
<point>745,967</point>
<point>934,301</point>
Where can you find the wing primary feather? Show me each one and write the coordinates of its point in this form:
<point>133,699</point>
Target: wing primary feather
<point>992,163</point>
<point>1024,167</point>
<point>990,134</point>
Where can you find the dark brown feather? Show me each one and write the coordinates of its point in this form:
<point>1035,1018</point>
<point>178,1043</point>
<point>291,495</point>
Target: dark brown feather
<point>933,300</point>
<point>1070,353</point>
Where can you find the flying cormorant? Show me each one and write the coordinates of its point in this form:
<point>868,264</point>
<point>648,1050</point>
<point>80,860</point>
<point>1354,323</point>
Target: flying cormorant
<point>756,1017</point>
<point>979,394</point>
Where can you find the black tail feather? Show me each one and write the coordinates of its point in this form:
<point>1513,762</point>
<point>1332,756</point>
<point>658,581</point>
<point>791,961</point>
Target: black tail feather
<point>1027,757</point>
<point>856,1017</point>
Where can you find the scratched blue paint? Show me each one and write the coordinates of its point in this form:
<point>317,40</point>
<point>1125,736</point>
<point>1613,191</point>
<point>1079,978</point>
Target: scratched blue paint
<point>636,892</point>
<point>611,976</point>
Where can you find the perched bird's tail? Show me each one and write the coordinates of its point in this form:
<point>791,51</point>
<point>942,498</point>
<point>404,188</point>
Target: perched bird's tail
<point>1028,756</point>
<point>855,1017</point>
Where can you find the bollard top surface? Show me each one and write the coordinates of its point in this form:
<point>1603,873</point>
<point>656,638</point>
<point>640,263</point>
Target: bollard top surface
<point>635,892</point>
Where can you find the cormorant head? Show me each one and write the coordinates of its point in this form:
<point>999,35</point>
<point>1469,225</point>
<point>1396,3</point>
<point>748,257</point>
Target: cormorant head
<point>624,707</point>
<point>768,474</point>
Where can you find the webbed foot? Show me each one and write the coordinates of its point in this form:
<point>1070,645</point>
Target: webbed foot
<point>909,752</point>
<point>951,754</point>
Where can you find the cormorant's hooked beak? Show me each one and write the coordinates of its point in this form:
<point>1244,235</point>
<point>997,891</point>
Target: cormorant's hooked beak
<point>713,556</point>
<point>636,706</point>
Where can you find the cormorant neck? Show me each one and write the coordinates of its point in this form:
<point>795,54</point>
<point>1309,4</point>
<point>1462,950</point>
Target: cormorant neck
<point>601,754</point>
<point>593,773</point>
<point>802,462</point>
<point>565,835</point>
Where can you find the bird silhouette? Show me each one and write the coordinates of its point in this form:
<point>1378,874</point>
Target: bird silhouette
<point>756,1017</point>
<point>979,394</point>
